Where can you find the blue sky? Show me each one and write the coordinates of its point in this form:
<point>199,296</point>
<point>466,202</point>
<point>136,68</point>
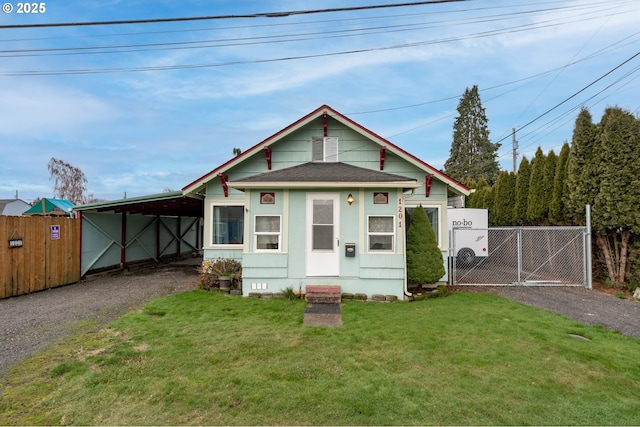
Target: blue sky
<point>141,108</point>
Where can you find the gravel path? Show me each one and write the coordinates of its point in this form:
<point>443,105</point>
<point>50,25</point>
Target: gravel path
<point>29,323</point>
<point>586,306</point>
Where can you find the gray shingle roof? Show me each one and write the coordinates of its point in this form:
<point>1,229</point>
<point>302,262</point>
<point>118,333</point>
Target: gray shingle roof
<point>325,171</point>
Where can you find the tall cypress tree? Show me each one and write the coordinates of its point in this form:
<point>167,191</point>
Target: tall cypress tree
<point>615,212</point>
<point>582,168</point>
<point>551,163</point>
<point>476,199</point>
<point>557,213</point>
<point>504,199</point>
<point>522,192</point>
<point>472,156</point>
<point>536,198</point>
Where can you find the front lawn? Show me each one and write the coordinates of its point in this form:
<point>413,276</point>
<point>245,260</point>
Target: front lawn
<point>205,358</point>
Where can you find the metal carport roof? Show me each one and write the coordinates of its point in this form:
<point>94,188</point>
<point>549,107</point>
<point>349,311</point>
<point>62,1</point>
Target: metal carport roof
<point>164,204</point>
<point>120,232</point>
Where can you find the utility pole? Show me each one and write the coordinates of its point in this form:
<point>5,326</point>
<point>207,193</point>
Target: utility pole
<point>515,149</point>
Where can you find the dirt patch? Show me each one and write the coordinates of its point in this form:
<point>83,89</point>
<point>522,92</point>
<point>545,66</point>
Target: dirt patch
<point>610,290</point>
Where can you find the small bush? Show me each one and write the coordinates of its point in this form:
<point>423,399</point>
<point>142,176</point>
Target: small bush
<point>424,259</point>
<point>290,294</point>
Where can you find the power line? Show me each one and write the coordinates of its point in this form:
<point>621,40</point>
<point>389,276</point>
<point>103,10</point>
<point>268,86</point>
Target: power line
<point>489,33</point>
<point>241,16</point>
<point>575,94</point>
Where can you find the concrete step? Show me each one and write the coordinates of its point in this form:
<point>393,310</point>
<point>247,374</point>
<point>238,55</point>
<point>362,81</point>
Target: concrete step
<point>325,315</point>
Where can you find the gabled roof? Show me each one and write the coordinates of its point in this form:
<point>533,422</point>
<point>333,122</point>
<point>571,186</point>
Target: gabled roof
<point>50,206</point>
<point>324,174</point>
<point>13,207</point>
<point>318,113</point>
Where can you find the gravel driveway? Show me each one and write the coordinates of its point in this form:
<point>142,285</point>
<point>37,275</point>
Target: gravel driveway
<point>586,306</point>
<point>31,322</point>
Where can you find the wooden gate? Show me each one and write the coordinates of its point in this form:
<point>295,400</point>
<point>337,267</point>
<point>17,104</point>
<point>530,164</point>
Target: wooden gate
<point>38,253</point>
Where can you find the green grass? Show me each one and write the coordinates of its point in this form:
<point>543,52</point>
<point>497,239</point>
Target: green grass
<point>206,358</point>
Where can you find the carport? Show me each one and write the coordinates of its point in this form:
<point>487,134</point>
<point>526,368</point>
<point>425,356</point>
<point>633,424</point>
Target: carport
<point>158,227</point>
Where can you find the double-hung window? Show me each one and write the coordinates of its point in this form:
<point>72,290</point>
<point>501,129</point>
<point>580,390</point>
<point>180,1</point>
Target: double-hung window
<point>267,232</point>
<point>228,225</point>
<point>324,149</point>
<point>381,233</point>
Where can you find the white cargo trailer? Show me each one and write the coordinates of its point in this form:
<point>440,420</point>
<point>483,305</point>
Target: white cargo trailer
<point>471,238</point>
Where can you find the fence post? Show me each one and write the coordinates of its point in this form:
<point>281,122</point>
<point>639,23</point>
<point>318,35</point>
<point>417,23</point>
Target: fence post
<point>519,255</point>
<point>587,244</point>
<point>450,258</point>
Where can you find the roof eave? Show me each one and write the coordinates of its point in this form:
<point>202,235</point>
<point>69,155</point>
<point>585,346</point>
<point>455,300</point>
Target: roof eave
<point>133,200</point>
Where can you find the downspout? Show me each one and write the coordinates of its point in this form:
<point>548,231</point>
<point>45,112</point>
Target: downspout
<point>404,236</point>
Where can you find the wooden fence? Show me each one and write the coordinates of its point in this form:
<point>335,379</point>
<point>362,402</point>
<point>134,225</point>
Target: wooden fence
<point>38,253</point>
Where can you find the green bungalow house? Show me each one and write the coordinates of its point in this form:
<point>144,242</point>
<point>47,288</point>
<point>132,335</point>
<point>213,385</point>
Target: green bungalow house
<point>324,201</point>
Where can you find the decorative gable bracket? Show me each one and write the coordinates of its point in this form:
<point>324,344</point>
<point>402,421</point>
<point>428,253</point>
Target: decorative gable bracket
<point>383,151</point>
<point>267,153</point>
<point>223,180</point>
<point>428,180</point>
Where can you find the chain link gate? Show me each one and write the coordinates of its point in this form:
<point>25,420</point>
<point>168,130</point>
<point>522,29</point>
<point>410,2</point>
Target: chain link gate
<point>547,256</point>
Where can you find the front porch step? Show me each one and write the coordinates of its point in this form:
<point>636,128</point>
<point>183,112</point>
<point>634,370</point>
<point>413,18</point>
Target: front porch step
<point>326,315</point>
<point>323,294</point>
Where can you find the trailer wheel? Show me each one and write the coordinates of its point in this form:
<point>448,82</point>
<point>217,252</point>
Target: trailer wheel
<point>466,257</point>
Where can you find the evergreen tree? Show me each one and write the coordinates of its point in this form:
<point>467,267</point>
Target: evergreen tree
<point>522,192</point>
<point>473,155</point>
<point>476,199</point>
<point>504,199</point>
<point>582,168</point>
<point>551,163</point>
<point>424,258</point>
<point>488,201</point>
<point>615,211</point>
<point>557,213</point>
<point>536,209</point>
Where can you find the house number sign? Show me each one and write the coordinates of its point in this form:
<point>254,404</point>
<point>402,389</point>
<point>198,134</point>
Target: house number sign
<point>15,243</point>
<point>14,240</point>
<point>400,211</point>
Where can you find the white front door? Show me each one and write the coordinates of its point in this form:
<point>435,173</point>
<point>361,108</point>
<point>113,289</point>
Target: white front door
<point>323,241</point>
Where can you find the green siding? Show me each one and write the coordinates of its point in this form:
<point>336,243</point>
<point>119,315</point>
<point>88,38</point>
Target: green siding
<point>366,272</point>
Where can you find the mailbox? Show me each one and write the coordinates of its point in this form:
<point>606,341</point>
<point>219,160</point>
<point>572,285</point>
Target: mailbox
<point>349,249</point>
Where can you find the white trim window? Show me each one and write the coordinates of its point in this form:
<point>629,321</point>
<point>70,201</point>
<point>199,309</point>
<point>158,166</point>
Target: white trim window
<point>324,149</point>
<point>381,233</point>
<point>267,232</point>
<point>227,224</point>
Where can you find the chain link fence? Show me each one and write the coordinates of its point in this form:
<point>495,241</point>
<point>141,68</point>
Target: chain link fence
<point>548,256</point>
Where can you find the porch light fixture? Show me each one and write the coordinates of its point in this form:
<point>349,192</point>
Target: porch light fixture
<point>350,199</point>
